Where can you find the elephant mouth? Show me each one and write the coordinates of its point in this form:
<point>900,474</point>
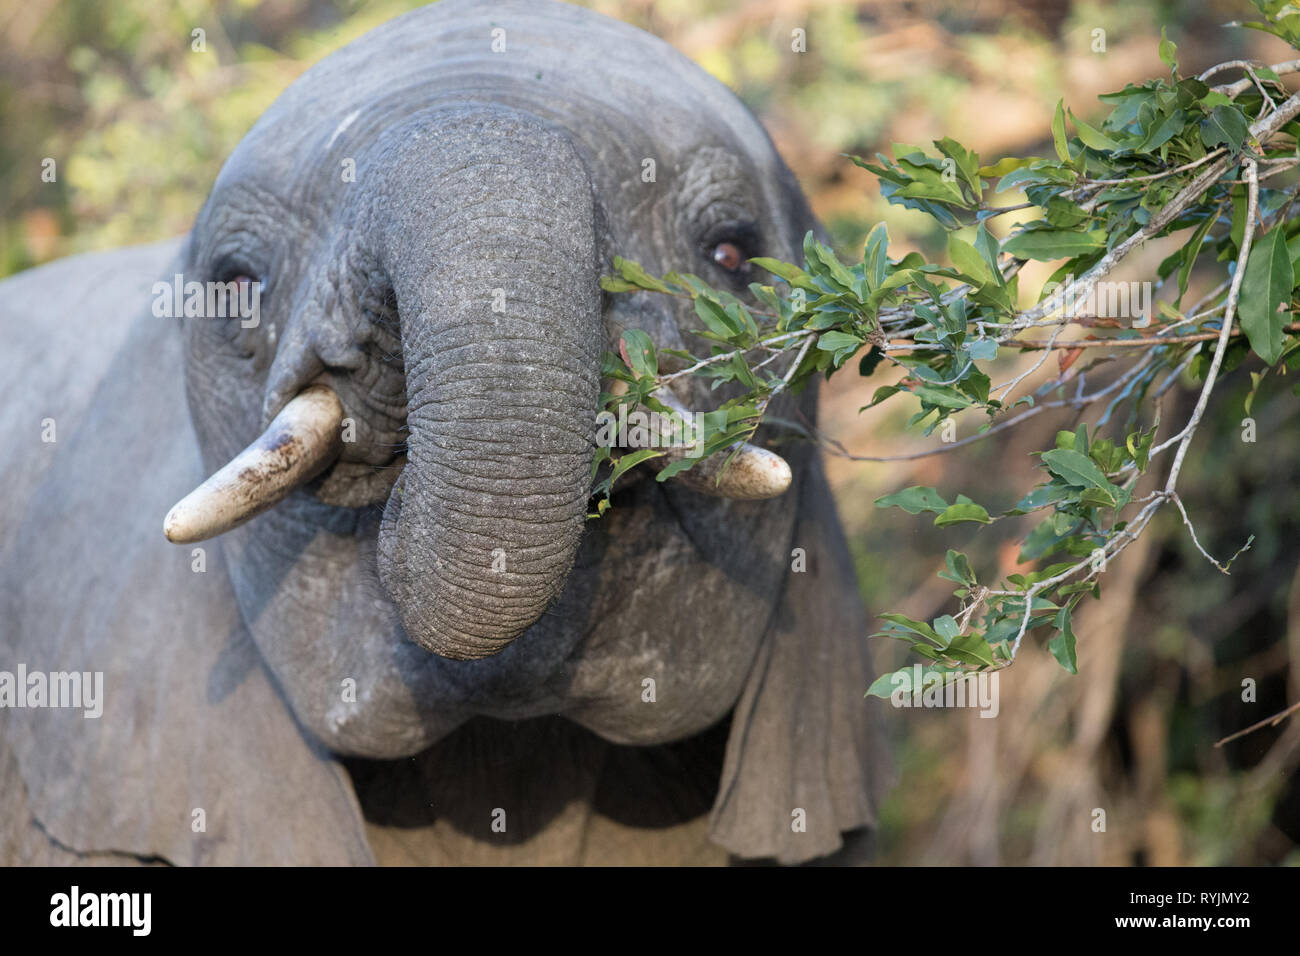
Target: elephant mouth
<point>304,441</point>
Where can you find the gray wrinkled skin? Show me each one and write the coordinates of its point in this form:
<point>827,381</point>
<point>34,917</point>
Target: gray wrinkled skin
<point>481,179</point>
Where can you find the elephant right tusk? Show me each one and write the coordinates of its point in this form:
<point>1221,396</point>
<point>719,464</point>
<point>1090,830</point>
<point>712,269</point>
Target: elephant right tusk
<point>297,446</point>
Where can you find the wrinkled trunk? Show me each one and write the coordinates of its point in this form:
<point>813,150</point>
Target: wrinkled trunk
<point>491,251</point>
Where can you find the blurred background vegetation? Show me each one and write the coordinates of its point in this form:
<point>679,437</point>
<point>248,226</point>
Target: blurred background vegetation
<point>138,123</point>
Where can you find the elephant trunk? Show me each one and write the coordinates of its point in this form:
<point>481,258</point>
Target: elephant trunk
<point>492,255</point>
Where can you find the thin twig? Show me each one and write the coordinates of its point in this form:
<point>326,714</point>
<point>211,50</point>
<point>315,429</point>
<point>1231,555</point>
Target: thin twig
<point>1197,541</point>
<point>1266,722</point>
<point>1133,343</point>
<point>1213,154</point>
<point>1240,86</point>
<point>1051,344</point>
<point>727,356</point>
<point>1229,314</point>
<point>837,448</point>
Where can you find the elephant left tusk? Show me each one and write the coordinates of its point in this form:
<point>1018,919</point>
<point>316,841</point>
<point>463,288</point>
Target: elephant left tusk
<point>298,445</point>
<point>752,473</point>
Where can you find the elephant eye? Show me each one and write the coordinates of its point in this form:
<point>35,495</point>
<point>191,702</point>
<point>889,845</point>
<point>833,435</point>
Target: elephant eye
<point>242,281</point>
<point>242,290</point>
<point>238,306</point>
<point>729,246</point>
<point>727,255</point>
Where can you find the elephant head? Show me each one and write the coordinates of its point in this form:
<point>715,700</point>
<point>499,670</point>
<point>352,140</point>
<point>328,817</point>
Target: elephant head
<point>427,214</point>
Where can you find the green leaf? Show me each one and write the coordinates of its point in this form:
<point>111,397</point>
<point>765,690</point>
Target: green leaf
<point>875,259</point>
<point>1255,379</point>
<point>880,394</point>
<point>716,317</point>
<point>946,627</point>
<point>867,364</point>
<point>1092,137</point>
<point>885,685</point>
<point>624,463</point>
<point>988,249</point>
<point>1064,214</point>
<point>958,568</point>
<point>833,341</point>
<point>1044,539</point>
<point>640,353</point>
<point>913,500</point>
<point>1048,244</point>
<point>1058,133</point>
<point>1267,284</point>
<point>633,274</point>
<point>1078,469</point>
<point>929,182</point>
<point>916,627</point>
<point>1191,251</point>
<point>900,681</point>
<point>1004,166</point>
<point>1139,447</point>
<point>676,467</point>
<point>967,161</point>
<point>792,274</point>
<point>1162,132</point>
<point>1240,204</point>
<point>968,261</point>
<point>942,396</point>
<point>823,261</point>
<point>963,510</point>
<point>971,649</point>
<point>740,369</point>
<point>1041,497</point>
<point>1168,52</point>
<point>615,284</point>
<point>1040,172</point>
<point>1062,645</point>
<point>1225,126</point>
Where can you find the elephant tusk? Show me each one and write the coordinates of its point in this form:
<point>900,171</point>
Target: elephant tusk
<point>753,473</point>
<point>298,445</point>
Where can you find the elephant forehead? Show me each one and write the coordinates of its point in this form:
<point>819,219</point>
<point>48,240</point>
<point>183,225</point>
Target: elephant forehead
<point>586,72</point>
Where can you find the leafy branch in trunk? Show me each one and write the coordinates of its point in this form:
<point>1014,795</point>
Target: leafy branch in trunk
<point>1174,155</point>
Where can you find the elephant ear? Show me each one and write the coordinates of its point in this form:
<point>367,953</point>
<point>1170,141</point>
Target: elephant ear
<point>192,729</point>
<point>805,764</point>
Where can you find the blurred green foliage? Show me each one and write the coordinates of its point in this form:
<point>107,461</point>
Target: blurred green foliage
<point>138,121</point>
<point>136,116</point>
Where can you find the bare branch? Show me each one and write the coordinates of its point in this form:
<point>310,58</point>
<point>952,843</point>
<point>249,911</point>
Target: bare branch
<point>1197,541</point>
<point>1143,342</point>
<point>1266,722</point>
<point>1229,314</point>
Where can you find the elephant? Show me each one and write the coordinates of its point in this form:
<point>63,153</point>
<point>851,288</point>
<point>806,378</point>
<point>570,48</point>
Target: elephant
<point>391,632</point>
